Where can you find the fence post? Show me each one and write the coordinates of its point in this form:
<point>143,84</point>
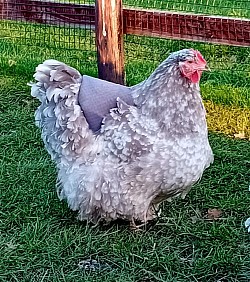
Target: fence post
<point>109,40</point>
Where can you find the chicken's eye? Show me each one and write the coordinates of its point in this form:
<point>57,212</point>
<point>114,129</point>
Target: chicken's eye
<point>190,61</point>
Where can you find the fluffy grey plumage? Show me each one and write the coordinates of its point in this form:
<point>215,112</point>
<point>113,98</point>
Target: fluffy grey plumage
<point>247,224</point>
<point>143,154</point>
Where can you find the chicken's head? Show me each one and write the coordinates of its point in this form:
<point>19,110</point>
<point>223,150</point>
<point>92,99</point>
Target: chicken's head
<point>192,64</point>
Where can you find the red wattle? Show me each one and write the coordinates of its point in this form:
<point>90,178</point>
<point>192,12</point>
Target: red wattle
<point>195,77</point>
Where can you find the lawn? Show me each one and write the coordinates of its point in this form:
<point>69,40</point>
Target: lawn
<point>41,239</point>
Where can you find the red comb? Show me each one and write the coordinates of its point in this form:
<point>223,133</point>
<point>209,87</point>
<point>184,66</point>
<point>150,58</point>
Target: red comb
<point>199,56</point>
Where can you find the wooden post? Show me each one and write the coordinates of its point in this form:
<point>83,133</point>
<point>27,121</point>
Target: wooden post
<point>109,40</point>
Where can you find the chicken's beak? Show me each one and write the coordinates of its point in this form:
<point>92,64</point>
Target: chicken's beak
<point>203,67</point>
<point>207,68</point>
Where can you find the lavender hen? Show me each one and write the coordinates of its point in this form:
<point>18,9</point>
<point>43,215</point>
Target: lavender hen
<point>121,159</point>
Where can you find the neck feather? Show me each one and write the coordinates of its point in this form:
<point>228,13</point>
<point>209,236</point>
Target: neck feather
<point>171,100</point>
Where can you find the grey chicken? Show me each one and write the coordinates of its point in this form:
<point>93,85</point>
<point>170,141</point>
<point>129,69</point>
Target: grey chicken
<point>148,144</point>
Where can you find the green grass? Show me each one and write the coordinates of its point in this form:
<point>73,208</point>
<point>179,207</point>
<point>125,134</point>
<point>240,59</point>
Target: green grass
<point>41,239</point>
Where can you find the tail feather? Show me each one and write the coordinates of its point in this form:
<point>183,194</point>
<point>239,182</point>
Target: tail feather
<point>65,130</point>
